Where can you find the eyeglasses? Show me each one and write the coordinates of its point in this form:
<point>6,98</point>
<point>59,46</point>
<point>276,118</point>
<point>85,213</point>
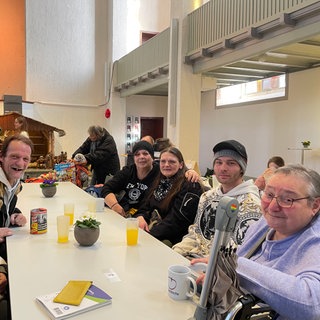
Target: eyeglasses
<point>282,201</point>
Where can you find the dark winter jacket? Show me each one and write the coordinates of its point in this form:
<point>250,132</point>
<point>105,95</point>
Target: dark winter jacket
<point>181,213</point>
<point>104,159</point>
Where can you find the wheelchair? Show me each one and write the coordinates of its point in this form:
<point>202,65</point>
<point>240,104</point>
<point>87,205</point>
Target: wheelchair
<point>249,307</point>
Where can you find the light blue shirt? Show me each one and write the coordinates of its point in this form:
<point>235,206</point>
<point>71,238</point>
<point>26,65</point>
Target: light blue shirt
<point>286,273</point>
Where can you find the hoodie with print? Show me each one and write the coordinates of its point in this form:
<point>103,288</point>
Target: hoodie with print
<point>200,234</point>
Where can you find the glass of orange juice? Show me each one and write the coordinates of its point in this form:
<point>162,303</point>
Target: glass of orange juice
<point>69,211</point>
<point>132,231</point>
<point>63,228</point>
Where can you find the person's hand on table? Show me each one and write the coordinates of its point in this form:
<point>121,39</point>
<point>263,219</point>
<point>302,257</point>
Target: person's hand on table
<point>18,219</point>
<point>4,232</point>
<point>143,224</point>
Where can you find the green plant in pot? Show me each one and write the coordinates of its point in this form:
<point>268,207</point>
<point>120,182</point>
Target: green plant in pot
<point>49,188</point>
<point>306,143</point>
<point>86,230</point>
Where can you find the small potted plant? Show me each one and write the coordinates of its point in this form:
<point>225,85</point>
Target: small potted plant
<point>49,187</point>
<point>87,230</point>
<point>306,143</point>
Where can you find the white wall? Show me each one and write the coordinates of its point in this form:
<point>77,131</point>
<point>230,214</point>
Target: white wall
<point>130,17</point>
<point>66,54</point>
<point>267,129</point>
<point>69,44</point>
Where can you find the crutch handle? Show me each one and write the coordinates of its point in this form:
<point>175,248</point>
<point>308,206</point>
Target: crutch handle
<point>226,215</point>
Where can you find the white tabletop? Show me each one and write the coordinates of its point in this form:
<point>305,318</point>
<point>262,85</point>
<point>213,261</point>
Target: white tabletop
<point>39,265</point>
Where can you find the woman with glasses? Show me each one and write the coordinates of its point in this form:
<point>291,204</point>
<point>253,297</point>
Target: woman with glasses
<point>172,203</point>
<point>284,271</point>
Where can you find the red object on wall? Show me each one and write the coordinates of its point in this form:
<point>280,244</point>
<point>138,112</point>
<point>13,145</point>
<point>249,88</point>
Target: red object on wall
<point>107,113</point>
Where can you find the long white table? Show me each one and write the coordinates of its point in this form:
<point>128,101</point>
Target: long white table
<point>39,265</point>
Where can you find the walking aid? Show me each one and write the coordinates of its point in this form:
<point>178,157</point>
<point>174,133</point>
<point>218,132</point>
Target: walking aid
<point>226,217</point>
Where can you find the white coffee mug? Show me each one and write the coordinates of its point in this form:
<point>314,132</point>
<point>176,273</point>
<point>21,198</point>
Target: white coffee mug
<point>179,283</point>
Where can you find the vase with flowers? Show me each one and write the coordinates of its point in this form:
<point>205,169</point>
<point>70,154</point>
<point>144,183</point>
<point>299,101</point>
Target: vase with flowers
<point>306,143</point>
<point>87,230</point>
<point>49,188</point>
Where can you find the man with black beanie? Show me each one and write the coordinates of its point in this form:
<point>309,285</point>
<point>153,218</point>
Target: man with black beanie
<point>229,165</point>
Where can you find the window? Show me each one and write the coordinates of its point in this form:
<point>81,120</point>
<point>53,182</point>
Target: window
<point>260,90</point>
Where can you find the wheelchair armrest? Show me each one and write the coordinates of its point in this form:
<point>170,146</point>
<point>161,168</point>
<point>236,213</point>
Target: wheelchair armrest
<point>244,308</point>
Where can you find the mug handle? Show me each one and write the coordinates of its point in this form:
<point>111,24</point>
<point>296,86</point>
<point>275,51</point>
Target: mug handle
<point>194,284</point>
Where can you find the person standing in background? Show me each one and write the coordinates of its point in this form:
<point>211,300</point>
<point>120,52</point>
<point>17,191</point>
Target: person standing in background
<point>100,151</point>
<point>20,127</point>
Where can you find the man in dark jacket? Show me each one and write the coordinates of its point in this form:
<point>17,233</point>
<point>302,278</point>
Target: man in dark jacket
<point>101,153</point>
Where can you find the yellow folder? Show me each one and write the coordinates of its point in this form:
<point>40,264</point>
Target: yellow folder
<point>73,292</point>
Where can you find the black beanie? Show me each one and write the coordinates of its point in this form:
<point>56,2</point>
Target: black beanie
<point>143,145</point>
<point>232,149</point>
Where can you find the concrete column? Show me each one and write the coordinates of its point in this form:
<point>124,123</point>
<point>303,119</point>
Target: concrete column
<point>184,99</point>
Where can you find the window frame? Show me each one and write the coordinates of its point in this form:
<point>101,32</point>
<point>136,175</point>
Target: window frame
<point>262,94</point>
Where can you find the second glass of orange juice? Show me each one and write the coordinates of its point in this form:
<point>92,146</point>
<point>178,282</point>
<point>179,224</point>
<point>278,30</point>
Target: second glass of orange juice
<point>69,211</point>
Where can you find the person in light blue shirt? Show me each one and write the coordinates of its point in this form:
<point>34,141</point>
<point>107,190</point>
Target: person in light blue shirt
<point>285,271</point>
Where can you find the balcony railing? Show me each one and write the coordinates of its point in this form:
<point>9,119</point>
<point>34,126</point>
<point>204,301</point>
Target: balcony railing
<point>219,18</point>
<point>215,21</point>
<point>145,62</point>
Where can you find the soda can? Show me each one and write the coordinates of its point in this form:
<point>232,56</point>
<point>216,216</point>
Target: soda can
<point>38,221</point>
